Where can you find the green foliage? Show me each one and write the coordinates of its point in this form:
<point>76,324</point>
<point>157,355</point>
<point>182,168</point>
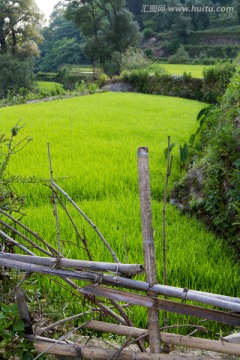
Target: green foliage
<point>18,44</point>
<point>181,56</point>
<point>164,84</point>
<point>212,51</point>
<point>63,51</point>
<point>108,29</point>
<point>133,59</point>
<point>19,27</point>
<point>52,86</point>
<point>153,80</point>
<point>62,43</point>
<point>184,154</point>
<point>9,200</point>
<point>148,52</point>
<point>147,33</point>
<point>14,74</point>
<point>12,342</point>
<point>215,155</point>
<point>216,80</point>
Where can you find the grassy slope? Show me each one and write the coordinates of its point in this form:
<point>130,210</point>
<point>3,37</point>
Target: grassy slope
<point>94,140</point>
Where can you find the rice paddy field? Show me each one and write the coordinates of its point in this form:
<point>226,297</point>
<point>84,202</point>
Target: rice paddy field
<point>94,141</point>
<point>179,69</point>
<point>48,85</point>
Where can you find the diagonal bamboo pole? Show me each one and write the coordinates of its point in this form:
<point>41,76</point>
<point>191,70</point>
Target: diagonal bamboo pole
<point>148,246</point>
<point>54,198</point>
<point>12,241</point>
<point>34,245</point>
<point>88,220</point>
<point>36,235</point>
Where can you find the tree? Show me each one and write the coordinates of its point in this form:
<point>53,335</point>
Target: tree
<point>18,43</point>
<point>62,42</point>
<point>15,74</point>
<point>18,26</point>
<point>108,28</point>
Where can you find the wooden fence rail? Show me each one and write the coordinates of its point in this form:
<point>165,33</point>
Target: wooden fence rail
<point>121,282</point>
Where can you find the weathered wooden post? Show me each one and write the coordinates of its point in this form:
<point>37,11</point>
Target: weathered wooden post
<point>148,245</point>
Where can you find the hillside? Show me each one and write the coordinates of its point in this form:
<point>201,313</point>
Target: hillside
<point>203,46</point>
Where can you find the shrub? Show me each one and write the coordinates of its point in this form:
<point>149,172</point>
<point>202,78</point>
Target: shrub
<point>216,80</point>
<point>133,59</point>
<point>181,56</point>
<point>211,189</point>
<point>148,52</point>
<point>69,77</point>
<point>164,84</point>
<point>17,74</point>
<point>147,33</point>
<point>12,342</point>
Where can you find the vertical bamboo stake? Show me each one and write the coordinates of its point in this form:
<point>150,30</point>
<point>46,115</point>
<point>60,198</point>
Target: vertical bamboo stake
<point>54,197</point>
<point>164,237</point>
<point>148,245</point>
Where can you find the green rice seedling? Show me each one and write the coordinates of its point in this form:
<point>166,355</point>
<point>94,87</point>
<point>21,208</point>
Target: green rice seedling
<point>179,69</point>
<point>94,141</point>
<point>48,85</point>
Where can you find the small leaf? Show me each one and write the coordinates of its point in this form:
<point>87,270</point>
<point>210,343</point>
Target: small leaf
<point>166,150</point>
<point>19,325</point>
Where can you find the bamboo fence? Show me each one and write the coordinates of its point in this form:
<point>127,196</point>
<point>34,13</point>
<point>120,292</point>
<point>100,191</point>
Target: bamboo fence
<point>103,281</point>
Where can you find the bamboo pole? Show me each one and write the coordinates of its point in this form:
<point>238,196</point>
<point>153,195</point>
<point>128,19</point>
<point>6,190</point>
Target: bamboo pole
<point>148,245</point>
<point>203,344</point>
<point>84,242</point>
<point>233,338</point>
<point>164,237</point>
<point>12,241</point>
<point>130,269</point>
<point>115,329</point>
<point>36,235</point>
<point>164,212</point>
<point>54,199</point>
<point>133,331</point>
<point>162,304</point>
<point>33,244</point>
<point>89,221</point>
<point>103,308</point>
<point>96,353</point>
<point>121,282</point>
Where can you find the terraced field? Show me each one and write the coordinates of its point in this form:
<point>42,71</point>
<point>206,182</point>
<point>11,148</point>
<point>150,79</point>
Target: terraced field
<point>94,141</point>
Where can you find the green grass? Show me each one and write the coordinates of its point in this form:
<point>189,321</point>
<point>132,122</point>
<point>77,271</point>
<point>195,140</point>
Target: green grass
<point>48,85</point>
<point>179,69</point>
<point>94,141</point>
<point>77,69</point>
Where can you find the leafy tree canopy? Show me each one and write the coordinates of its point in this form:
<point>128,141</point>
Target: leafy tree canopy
<point>108,28</point>
<point>19,20</point>
<point>62,42</point>
<point>19,36</point>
